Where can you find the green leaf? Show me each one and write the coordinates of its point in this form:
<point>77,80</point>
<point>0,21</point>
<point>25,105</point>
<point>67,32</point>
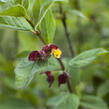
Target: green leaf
<point>4,4</point>
<point>44,7</point>
<point>103,89</point>
<point>26,69</point>
<point>24,73</point>
<point>60,98</point>
<point>16,11</point>
<point>36,10</point>
<point>73,102</point>
<point>86,57</point>
<point>64,101</point>
<point>14,103</point>
<point>80,14</point>
<point>14,2</point>
<point>26,4</point>
<point>75,76</point>
<point>74,73</point>
<point>15,23</point>
<point>43,10</point>
<point>93,102</point>
<point>48,27</point>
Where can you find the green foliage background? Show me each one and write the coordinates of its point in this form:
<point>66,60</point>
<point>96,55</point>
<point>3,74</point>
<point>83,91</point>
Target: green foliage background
<point>88,26</point>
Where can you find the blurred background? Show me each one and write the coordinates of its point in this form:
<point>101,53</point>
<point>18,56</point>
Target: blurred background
<point>88,26</point>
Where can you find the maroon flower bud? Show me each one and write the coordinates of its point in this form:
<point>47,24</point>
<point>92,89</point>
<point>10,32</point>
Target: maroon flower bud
<point>44,53</point>
<point>62,78</point>
<point>52,46</point>
<point>46,50</point>
<point>50,77</point>
<point>34,55</point>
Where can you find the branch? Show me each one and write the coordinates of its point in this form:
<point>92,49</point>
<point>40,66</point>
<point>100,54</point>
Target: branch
<point>30,22</point>
<point>40,37</point>
<point>66,32</point>
<point>68,82</point>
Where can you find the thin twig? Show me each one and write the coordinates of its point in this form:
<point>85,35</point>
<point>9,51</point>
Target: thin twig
<point>30,22</point>
<point>37,33</point>
<point>40,37</point>
<point>80,37</point>
<point>61,64</point>
<point>69,86</point>
<point>68,82</point>
<point>66,31</point>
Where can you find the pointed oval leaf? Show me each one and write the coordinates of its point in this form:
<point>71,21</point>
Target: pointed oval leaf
<point>16,11</point>
<point>26,69</point>
<point>86,57</point>
<point>44,7</point>
<point>93,102</point>
<point>14,103</point>
<point>18,23</point>
<point>26,4</point>
<point>65,101</point>
<point>48,27</point>
<point>103,89</point>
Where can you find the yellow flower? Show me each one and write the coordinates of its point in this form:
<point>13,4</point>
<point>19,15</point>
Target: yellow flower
<point>57,53</point>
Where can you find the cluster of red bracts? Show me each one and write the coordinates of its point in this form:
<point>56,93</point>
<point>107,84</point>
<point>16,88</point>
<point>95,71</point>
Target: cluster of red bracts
<point>42,54</point>
<point>62,78</point>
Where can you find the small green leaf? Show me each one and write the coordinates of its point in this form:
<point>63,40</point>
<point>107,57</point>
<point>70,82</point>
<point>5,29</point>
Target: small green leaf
<point>24,73</point>
<point>86,57</point>
<point>9,3</point>
<point>36,10</point>
<point>15,23</point>
<point>16,11</point>
<point>80,14</point>
<point>26,69</point>
<point>75,76</point>
<point>103,89</point>
<point>60,98</point>
<point>73,102</point>
<point>13,2</point>
<point>48,27</point>
<point>14,103</point>
<point>93,102</point>
<point>26,4</point>
<point>44,7</point>
<point>64,101</point>
<point>43,10</point>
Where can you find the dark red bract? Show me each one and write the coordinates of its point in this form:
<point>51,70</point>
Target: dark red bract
<point>48,48</point>
<point>52,46</point>
<point>34,55</point>
<point>42,54</point>
<point>46,51</point>
<point>62,78</point>
<point>50,77</point>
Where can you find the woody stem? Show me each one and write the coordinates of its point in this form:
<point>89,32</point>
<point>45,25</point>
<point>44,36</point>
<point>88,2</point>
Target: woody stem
<point>63,19</point>
<point>37,33</point>
<point>40,37</point>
